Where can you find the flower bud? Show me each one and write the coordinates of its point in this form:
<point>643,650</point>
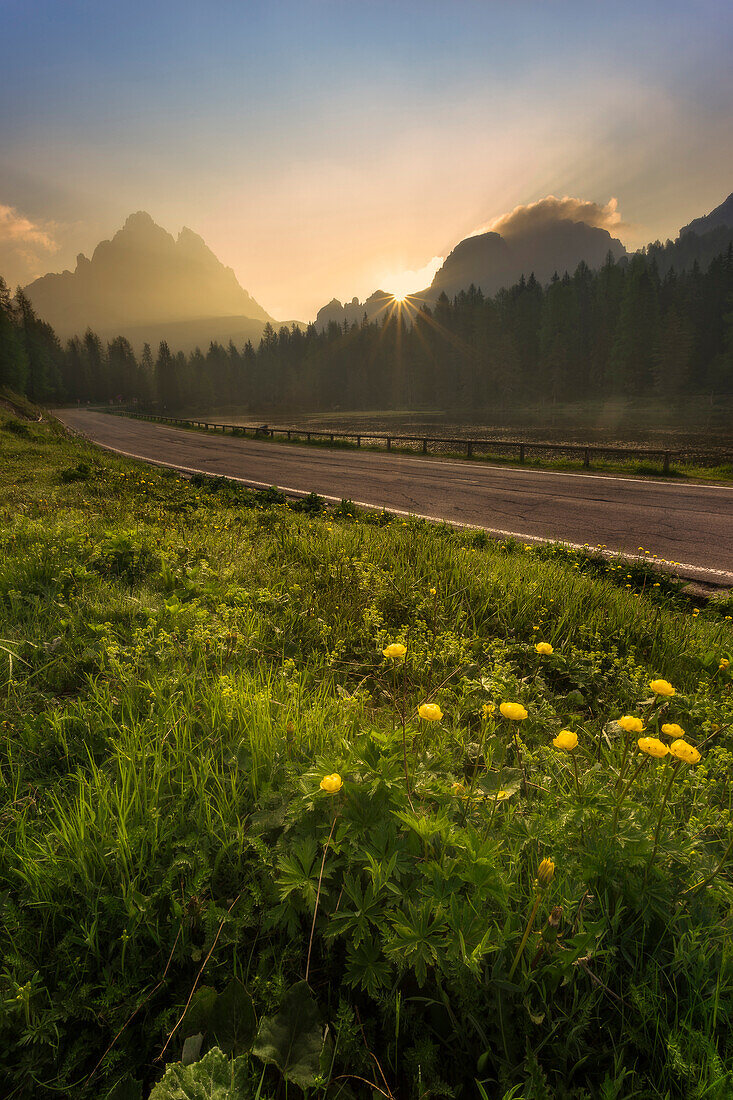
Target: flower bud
<point>545,873</point>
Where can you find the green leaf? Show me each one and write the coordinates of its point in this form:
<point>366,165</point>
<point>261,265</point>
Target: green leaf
<point>215,1077</point>
<point>233,1023</point>
<point>198,1012</point>
<point>192,1048</point>
<point>292,1040</point>
<point>127,1088</point>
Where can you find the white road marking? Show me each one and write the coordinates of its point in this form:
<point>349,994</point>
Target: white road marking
<point>648,558</point>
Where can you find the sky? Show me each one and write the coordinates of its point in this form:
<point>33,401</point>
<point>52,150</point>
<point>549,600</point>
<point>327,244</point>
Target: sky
<point>327,148</point>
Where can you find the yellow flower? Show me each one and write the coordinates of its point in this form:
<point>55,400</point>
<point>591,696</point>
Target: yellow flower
<point>566,740</point>
<point>661,687</point>
<point>432,591</point>
<point>488,709</point>
<point>431,712</point>
<point>458,789</point>
<point>631,724</point>
<point>395,649</point>
<point>332,784</point>
<point>544,648</point>
<point>724,662</point>
<point>515,712</point>
<point>673,730</point>
<point>545,873</point>
<point>652,746</point>
<point>684,751</point>
<point>501,795</point>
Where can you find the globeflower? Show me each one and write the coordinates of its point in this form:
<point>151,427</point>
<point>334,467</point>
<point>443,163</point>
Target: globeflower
<point>661,687</point>
<point>566,740</point>
<point>652,746</point>
<point>631,724</point>
<point>544,648</point>
<point>673,730</point>
<point>332,784</point>
<point>515,712</point>
<point>431,712</point>
<point>682,750</point>
<point>724,662</point>
<point>395,650</point>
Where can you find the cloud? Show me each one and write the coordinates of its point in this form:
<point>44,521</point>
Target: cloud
<point>535,214</point>
<point>24,245</point>
<point>16,228</point>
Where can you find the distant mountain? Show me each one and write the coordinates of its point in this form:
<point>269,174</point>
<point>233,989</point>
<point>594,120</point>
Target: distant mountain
<point>354,311</point>
<point>146,281</point>
<point>698,243</point>
<point>721,215</point>
<point>490,261</point>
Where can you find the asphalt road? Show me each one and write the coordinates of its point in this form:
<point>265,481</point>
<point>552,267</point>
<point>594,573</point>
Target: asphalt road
<point>689,524</point>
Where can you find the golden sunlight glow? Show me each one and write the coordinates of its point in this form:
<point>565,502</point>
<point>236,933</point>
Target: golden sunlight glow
<point>402,282</point>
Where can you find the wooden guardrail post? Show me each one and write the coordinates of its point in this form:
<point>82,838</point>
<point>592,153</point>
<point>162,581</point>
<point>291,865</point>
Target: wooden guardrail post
<point>422,441</point>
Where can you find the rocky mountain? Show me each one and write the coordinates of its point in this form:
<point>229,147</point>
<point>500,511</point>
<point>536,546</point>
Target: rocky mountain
<point>698,243</point>
<point>353,312</point>
<point>721,215</point>
<point>145,282</point>
<point>491,261</point>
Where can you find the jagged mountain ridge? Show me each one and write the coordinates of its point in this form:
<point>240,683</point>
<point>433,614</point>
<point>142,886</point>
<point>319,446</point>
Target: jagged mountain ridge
<point>146,279</point>
<point>490,261</point>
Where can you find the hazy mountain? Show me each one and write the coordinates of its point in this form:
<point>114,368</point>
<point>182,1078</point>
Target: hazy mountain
<point>490,261</point>
<point>698,243</point>
<point>146,281</point>
<point>353,311</point>
<point>721,215</point>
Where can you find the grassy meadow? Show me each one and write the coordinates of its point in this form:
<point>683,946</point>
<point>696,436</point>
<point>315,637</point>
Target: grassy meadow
<point>245,854</point>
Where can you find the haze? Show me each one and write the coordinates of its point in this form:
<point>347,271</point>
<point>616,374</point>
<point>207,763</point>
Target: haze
<point>327,149</point>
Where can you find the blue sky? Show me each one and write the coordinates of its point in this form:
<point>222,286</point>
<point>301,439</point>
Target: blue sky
<point>324,148</point>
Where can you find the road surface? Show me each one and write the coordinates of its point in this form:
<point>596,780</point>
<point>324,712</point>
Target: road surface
<point>689,524</point>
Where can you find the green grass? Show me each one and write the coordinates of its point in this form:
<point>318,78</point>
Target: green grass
<point>180,665</point>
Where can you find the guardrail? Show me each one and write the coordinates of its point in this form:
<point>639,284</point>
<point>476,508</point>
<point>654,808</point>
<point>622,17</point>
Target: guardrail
<point>470,447</point>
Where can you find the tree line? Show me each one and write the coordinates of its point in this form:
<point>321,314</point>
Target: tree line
<point>624,330</point>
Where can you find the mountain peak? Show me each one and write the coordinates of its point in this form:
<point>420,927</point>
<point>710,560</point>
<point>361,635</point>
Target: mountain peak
<point>139,220</point>
<point>187,237</point>
<point>143,276</point>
